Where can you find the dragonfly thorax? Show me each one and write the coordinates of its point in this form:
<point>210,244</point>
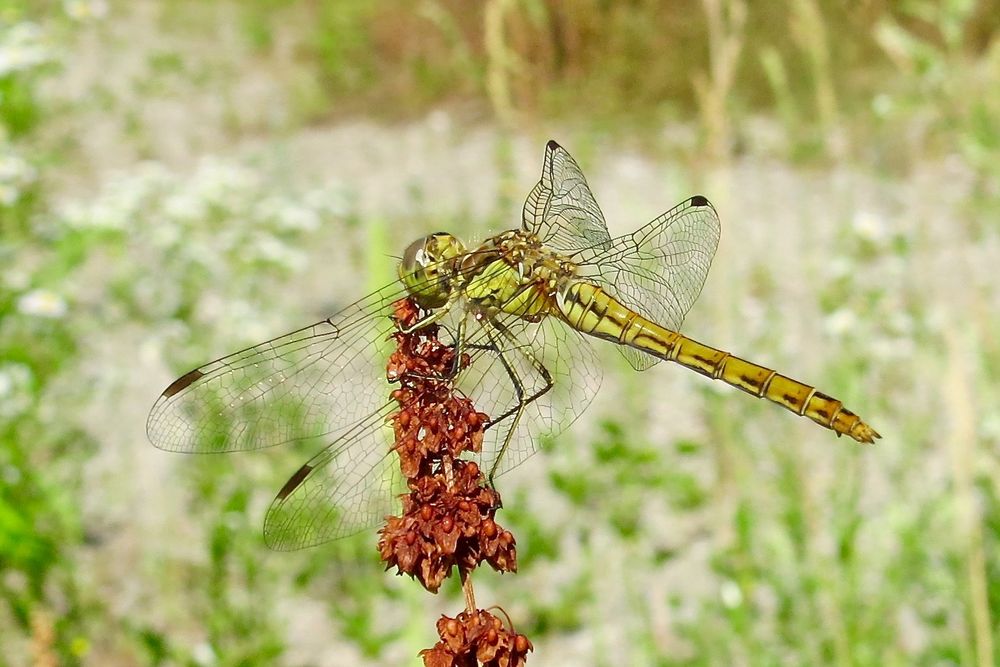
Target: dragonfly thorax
<point>514,272</point>
<point>427,267</point>
<point>533,260</point>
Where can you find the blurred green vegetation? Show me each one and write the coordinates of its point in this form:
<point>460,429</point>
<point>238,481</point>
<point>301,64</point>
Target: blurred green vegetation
<point>115,255</point>
<point>624,67</point>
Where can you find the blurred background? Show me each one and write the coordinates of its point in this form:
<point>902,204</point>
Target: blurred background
<point>181,179</point>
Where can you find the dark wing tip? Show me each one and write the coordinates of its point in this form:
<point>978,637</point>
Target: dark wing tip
<point>699,200</point>
<point>294,481</point>
<point>182,383</point>
<point>552,145</point>
<point>277,533</point>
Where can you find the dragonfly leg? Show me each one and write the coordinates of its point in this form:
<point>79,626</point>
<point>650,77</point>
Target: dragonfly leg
<point>428,320</point>
<point>522,401</point>
<point>434,315</point>
<point>459,347</point>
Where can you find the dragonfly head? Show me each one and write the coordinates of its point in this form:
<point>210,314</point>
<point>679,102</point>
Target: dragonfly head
<point>426,268</point>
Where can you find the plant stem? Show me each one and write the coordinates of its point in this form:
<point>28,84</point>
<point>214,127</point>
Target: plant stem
<point>470,595</point>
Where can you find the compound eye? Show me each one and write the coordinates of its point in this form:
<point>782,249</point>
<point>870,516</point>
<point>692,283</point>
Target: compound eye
<point>415,255</point>
<point>418,271</point>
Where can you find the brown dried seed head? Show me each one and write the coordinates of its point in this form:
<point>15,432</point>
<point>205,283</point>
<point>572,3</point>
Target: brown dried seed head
<point>447,524</point>
<point>426,512</point>
<point>489,528</point>
<point>521,644</point>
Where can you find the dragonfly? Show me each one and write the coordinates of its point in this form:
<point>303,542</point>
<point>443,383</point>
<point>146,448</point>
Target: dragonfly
<point>522,308</point>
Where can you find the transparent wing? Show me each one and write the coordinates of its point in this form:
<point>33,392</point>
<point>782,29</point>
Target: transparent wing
<point>312,383</point>
<point>547,364</point>
<point>560,209</point>
<point>349,486</point>
<point>309,383</point>
<point>355,481</point>
<point>658,270</point>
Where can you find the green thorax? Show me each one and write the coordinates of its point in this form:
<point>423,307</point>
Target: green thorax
<point>501,286</point>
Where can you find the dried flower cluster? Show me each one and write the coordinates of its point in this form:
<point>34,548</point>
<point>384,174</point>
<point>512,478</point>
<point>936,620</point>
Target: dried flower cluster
<point>447,517</point>
<point>448,514</point>
<point>479,636</point>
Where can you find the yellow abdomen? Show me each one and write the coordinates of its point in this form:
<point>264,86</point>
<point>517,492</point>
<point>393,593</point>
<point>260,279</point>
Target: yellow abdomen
<point>591,310</point>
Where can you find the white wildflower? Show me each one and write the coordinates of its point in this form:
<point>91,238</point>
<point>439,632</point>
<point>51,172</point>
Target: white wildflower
<point>936,318</point>
<point>328,201</point>
<point>273,250</point>
<point>730,594</point>
<point>109,212</point>
<point>882,105</point>
<point>297,218</point>
<point>72,214</point>
<point>840,322</point>
<point>203,654</point>
<point>41,303</point>
<point>223,184</point>
<point>6,384</point>
<point>185,206</point>
<point>245,319</point>
<point>149,177</point>
<point>16,174</point>
<point>23,47</point>
<point>839,267</point>
<point>8,194</point>
<point>85,10</point>
<point>15,389</point>
<point>14,168</point>
<point>890,347</point>
<point>900,323</point>
<point>989,426</point>
<point>870,227</point>
<point>166,234</point>
<point>128,198</point>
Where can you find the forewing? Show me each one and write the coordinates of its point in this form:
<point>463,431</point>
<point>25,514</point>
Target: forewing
<point>314,382</point>
<point>660,269</point>
<point>561,209</point>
